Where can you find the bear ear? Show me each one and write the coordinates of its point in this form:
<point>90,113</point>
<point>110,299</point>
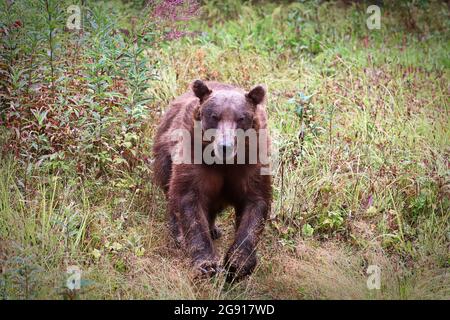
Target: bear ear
<point>201,90</point>
<point>256,95</point>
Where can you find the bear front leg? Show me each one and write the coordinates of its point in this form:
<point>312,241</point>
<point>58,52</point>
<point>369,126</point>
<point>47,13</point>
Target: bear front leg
<point>240,259</point>
<point>175,228</point>
<point>194,224</point>
<point>216,233</point>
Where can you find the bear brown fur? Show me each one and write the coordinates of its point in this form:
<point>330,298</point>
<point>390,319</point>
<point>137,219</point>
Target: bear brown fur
<point>196,193</point>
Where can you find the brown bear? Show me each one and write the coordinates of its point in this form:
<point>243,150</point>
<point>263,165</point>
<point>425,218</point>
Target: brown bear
<point>197,189</point>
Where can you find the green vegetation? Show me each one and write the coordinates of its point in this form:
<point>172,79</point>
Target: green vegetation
<point>360,119</point>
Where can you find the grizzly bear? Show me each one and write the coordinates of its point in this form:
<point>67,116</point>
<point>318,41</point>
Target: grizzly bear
<point>197,189</point>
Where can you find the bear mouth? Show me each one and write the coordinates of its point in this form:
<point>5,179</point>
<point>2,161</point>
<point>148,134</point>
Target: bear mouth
<point>226,154</point>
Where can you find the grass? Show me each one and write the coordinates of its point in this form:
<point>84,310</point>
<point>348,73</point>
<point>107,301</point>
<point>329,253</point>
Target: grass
<point>360,120</point>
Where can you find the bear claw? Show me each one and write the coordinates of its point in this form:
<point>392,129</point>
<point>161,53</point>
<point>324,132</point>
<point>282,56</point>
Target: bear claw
<point>206,269</point>
<point>239,266</point>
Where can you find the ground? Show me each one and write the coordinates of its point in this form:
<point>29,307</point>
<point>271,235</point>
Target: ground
<point>359,117</point>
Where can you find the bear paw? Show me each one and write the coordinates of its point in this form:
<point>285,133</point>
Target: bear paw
<point>239,265</point>
<point>206,268</point>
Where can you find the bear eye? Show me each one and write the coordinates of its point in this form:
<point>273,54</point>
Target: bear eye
<point>215,117</point>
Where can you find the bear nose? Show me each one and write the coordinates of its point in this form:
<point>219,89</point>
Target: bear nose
<point>226,150</point>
